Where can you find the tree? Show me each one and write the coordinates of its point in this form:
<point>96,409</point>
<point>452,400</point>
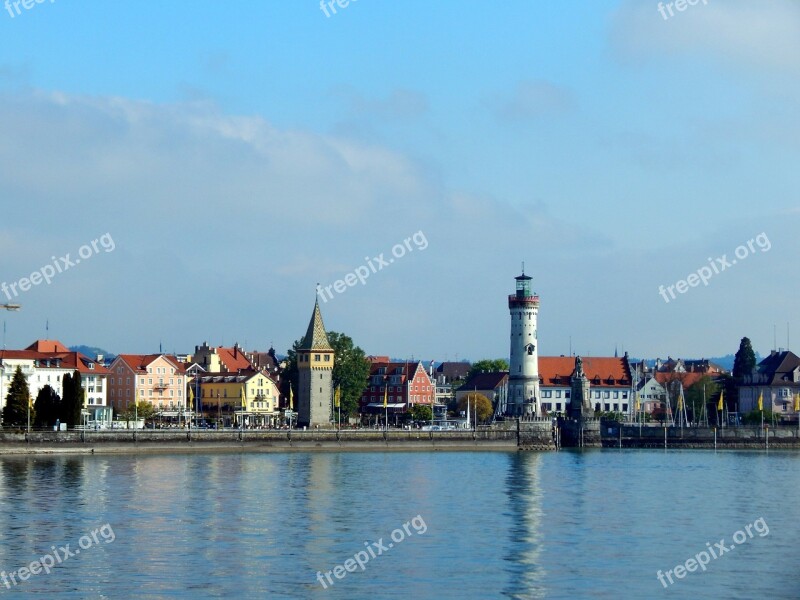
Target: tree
<point>15,412</point>
<point>745,360</point>
<point>704,389</point>
<point>488,365</point>
<point>142,409</point>
<point>47,407</point>
<point>350,370</point>
<point>743,364</point>
<point>421,412</point>
<point>480,407</point>
<point>72,402</point>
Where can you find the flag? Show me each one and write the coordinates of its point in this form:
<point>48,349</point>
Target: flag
<point>638,404</point>
<point>760,401</point>
<point>291,398</point>
<point>337,396</point>
<point>191,395</point>
<point>797,403</point>
<point>720,404</point>
<point>385,396</point>
<point>680,402</point>
<point>244,397</point>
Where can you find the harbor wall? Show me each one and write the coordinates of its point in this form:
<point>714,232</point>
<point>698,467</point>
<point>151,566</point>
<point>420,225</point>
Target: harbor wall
<point>632,436</point>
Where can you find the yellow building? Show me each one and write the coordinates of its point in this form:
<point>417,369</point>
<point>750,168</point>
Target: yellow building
<point>245,397</point>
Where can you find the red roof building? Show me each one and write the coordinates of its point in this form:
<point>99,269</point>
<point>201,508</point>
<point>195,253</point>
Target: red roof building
<point>45,362</point>
<point>609,380</point>
<point>156,378</point>
<point>403,384</point>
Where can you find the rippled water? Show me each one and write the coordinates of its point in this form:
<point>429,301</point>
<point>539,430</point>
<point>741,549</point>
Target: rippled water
<point>593,524</point>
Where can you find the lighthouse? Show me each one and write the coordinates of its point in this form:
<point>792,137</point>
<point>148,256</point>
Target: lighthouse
<point>523,377</point>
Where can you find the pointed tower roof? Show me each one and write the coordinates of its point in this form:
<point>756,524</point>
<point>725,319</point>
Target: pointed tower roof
<point>316,338</point>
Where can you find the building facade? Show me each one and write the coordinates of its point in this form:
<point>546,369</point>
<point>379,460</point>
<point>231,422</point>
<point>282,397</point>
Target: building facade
<point>776,380</point>
<point>609,379</point>
<point>156,378</point>
<point>45,362</point>
<point>402,384</point>
<point>248,398</point>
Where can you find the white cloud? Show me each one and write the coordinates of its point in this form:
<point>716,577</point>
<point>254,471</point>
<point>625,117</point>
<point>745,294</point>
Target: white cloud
<point>533,99</point>
<point>737,33</point>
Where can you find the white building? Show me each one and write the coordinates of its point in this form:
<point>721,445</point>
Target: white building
<point>45,362</point>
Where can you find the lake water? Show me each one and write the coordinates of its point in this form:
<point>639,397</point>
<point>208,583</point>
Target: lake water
<point>591,524</point>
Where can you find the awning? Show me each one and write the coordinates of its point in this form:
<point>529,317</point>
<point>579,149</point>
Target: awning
<point>390,405</point>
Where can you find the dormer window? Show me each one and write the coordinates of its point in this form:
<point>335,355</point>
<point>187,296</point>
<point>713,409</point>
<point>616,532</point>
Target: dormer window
<point>91,365</point>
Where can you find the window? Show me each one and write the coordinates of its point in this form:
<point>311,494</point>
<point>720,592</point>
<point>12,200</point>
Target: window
<point>624,408</point>
<point>327,358</point>
<point>616,394</point>
<point>558,393</point>
<point>316,358</point>
<point>606,407</point>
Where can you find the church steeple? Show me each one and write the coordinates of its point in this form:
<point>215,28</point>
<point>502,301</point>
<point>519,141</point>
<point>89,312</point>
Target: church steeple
<point>316,338</point>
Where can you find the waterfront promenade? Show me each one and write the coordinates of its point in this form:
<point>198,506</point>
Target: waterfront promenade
<point>511,436</point>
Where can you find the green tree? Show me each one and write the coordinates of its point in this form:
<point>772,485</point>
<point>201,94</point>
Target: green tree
<point>754,417</point>
<point>350,371</point>
<point>704,389</point>
<point>488,365</point>
<point>743,364</point>
<point>421,412</point>
<point>480,407</point>
<point>15,412</point>
<point>745,360</point>
<point>47,407</point>
<point>72,402</point>
<point>289,375</point>
<point>142,409</point>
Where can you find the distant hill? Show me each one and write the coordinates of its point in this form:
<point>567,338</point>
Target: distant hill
<point>726,362</point>
<point>93,351</point>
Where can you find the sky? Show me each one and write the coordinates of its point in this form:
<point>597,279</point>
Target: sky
<point>190,171</point>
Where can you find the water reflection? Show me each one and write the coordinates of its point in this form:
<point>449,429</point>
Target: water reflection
<point>523,488</point>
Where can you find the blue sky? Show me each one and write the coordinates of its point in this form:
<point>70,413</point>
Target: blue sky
<point>241,152</point>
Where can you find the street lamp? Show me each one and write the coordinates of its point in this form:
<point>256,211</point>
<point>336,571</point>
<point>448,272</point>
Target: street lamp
<point>11,306</point>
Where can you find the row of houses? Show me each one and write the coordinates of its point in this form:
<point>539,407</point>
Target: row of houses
<point>245,387</point>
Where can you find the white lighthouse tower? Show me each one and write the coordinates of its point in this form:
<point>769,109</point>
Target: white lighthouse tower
<point>523,378</point>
